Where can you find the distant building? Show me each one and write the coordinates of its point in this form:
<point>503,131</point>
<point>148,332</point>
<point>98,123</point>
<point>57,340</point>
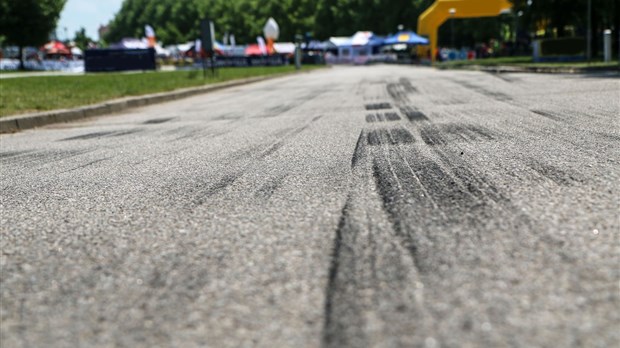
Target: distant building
<point>103,31</point>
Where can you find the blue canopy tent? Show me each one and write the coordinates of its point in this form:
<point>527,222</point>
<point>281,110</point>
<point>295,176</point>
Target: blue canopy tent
<point>407,38</point>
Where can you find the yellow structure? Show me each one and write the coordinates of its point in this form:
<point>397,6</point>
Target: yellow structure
<point>430,21</point>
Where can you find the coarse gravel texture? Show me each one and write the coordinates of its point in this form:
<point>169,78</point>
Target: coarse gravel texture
<point>381,206</point>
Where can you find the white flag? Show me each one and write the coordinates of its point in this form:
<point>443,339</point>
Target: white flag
<point>232,40</point>
<point>271,29</point>
<point>149,32</point>
<point>261,45</point>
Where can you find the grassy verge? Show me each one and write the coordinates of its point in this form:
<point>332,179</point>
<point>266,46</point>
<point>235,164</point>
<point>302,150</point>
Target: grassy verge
<point>525,62</point>
<point>8,72</point>
<point>41,93</point>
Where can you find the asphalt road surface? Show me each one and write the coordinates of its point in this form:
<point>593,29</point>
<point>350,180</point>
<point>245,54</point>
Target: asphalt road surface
<point>377,206</point>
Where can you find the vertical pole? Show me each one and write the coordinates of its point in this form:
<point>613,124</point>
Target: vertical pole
<point>607,45</point>
<point>297,57</point>
<point>589,32</point>
<point>204,64</point>
<point>298,52</point>
<point>213,63</point>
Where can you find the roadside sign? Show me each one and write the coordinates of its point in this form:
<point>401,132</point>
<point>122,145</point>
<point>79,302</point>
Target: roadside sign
<point>207,32</point>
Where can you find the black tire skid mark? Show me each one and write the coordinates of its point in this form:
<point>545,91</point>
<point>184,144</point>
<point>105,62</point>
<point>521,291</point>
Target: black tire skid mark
<point>417,191</point>
<point>483,91</point>
<point>504,77</point>
<point>382,117</point>
<point>392,116</point>
<point>398,93</point>
<point>371,118</point>
<point>401,90</point>
<point>547,114</point>
<point>272,148</point>
<point>337,333</point>
<point>559,117</point>
<point>407,86</point>
<point>88,164</point>
<point>93,135</point>
<point>360,150</point>
<point>558,176</point>
<point>487,202</point>
<point>9,154</point>
<point>413,114</point>
<point>351,273</point>
<point>39,158</point>
<point>393,136</point>
<point>104,134</point>
<point>443,134</point>
<point>389,180</point>
<point>447,102</point>
<point>228,117</point>
<point>378,106</point>
<point>284,108</point>
<point>192,132</point>
<point>314,94</point>
<point>126,132</point>
<point>493,203</point>
<point>475,184</point>
<point>202,190</point>
<point>355,286</point>
<point>613,138</point>
<point>278,110</point>
<point>157,121</point>
<point>267,190</point>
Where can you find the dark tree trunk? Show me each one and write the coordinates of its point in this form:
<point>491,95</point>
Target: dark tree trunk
<point>21,58</point>
<point>596,35</point>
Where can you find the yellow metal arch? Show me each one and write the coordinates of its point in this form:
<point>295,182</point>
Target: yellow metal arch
<point>430,21</point>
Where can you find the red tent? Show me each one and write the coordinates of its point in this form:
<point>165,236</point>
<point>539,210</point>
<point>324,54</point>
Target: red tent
<point>57,48</point>
<point>253,50</point>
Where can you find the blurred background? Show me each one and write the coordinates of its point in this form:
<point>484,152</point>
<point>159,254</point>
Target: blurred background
<point>54,34</point>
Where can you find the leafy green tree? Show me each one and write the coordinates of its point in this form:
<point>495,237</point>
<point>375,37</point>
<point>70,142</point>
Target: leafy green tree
<point>81,39</point>
<point>28,22</point>
<point>178,21</point>
<point>345,17</point>
<point>555,16</point>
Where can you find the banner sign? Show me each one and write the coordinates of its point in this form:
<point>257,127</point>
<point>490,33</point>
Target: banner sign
<point>100,60</point>
<point>207,35</point>
<point>243,61</point>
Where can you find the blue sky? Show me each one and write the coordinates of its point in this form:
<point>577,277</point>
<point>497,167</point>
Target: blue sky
<point>88,14</point>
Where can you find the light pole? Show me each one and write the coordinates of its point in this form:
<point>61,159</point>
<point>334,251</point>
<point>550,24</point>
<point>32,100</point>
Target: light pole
<point>452,13</point>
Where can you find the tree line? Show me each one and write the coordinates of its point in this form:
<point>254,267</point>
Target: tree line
<point>29,22</point>
<point>178,21</point>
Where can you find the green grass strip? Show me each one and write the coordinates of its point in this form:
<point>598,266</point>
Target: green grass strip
<point>41,93</point>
